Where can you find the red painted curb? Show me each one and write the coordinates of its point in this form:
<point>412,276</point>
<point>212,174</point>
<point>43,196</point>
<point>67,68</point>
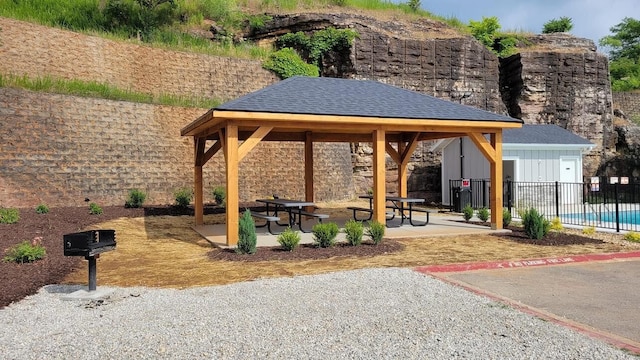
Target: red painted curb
<point>526,262</point>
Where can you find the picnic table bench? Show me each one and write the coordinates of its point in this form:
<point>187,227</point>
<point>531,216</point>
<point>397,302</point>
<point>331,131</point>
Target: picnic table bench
<point>397,204</point>
<point>294,208</point>
<point>268,220</point>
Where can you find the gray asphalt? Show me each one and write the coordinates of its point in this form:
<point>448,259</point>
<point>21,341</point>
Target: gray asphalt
<point>601,298</point>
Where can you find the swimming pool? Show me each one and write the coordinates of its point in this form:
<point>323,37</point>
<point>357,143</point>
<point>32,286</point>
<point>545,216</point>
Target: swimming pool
<point>625,217</point>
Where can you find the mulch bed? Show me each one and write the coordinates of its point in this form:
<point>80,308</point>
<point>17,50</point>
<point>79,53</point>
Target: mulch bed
<point>552,239</point>
<point>309,252</point>
<point>20,280</point>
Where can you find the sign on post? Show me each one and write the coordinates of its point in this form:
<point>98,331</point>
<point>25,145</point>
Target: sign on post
<point>466,183</point>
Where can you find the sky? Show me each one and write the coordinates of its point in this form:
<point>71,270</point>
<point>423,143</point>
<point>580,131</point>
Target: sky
<point>592,19</point>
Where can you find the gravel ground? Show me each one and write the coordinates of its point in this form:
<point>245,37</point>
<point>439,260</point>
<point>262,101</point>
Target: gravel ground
<point>363,314</point>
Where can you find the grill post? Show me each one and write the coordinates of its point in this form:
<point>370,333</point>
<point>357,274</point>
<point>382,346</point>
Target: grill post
<point>92,272</point>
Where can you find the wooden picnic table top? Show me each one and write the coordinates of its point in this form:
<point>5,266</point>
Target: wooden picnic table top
<point>286,202</point>
<point>396,198</point>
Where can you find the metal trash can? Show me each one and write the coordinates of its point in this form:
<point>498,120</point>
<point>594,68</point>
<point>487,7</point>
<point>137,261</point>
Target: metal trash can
<point>461,198</point>
<point>455,199</point>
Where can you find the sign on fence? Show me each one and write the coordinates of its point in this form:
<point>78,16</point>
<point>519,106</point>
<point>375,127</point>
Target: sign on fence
<point>466,183</point>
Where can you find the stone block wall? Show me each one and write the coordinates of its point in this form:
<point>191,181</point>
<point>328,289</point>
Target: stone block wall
<point>61,149</point>
<point>628,103</point>
<point>37,51</point>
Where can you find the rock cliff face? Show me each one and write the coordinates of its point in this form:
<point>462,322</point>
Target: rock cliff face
<point>559,79</point>
<point>554,79</point>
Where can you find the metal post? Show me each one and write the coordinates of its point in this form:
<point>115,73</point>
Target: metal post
<point>615,190</point>
<point>557,199</point>
<point>92,273</point>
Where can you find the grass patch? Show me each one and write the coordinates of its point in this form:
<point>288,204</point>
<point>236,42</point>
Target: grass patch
<point>101,90</point>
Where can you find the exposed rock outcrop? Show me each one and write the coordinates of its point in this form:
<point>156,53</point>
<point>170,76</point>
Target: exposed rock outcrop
<point>559,79</point>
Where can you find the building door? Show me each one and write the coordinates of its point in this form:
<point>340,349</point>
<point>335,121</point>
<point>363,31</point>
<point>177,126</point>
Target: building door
<point>569,178</point>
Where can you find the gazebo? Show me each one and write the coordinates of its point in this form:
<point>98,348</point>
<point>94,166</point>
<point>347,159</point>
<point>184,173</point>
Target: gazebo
<point>306,109</point>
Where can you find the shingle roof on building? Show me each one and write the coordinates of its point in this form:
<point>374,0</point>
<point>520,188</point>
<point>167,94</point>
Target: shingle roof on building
<point>542,134</point>
<point>346,97</point>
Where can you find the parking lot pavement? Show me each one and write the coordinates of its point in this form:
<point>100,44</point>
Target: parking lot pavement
<point>600,298</point>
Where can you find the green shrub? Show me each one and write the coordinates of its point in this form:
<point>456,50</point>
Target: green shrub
<point>535,225</point>
<point>414,5</point>
<point>375,231</point>
<point>324,234</point>
<point>289,239</point>
<point>42,209</point>
<point>219,194</point>
<point>183,197</point>
<point>287,63</point>
<point>136,198</point>
<point>483,214</point>
<point>589,230</point>
<point>247,238</point>
<point>632,236</point>
<point>467,212</point>
<point>95,209</point>
<point>354,231</point>
<point>563,24</point>
<point>506,217</point>
<point>9,216</point>
<point>25,252</point>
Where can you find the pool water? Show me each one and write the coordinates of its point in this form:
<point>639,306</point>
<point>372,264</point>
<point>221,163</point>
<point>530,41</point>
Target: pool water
<point>626,217</point>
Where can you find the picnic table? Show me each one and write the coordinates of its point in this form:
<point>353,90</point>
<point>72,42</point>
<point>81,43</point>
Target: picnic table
<point>294,208</point>
<point>397,203</point>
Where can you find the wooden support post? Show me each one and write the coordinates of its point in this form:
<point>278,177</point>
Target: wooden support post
<point>308,169</point>
<point>402,171</point>
<point>379,191</point>
<point>198,192</point>
<point>232,208</point>
<point>199,145</point>
<point>496,182</point>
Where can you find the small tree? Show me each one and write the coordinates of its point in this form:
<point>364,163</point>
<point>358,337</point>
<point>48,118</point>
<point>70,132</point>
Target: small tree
<point>247,238</point>
<point>219,194</point>
<point>483,214</point>
<point>467,212</point>
<point>506,217</point>
<point>354,231</point>
<point>414,5</point>
<point>324,234</point>
<point>375,231</point>
<point>289,239</point>
<point>136,198</point>
<point>535,225</point>
<point>563,24</point>
<point>183,197</point>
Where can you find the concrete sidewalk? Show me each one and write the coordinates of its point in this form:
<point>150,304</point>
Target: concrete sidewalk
<point>599,297</point>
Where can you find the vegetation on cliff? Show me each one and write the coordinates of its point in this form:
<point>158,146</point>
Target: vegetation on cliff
<point>624,53</point>
<point>193,24</point>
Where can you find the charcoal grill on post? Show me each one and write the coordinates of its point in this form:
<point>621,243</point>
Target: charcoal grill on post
<point>90,244</point>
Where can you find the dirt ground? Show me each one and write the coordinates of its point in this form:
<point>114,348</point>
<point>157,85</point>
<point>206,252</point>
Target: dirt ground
<point>157,247</point>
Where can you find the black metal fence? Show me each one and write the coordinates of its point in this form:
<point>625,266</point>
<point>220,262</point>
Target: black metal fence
<point>604,205</point>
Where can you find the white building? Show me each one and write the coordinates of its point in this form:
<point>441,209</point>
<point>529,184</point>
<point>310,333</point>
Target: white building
<point>534,153</point>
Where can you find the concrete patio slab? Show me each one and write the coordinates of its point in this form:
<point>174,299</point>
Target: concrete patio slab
<point>439,225</point>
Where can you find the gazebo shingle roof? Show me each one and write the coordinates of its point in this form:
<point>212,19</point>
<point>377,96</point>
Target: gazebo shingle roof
<point>543,134</point>
<point>345,97</point>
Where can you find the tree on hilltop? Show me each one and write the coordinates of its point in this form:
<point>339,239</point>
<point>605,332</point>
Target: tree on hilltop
<point>563,24</point>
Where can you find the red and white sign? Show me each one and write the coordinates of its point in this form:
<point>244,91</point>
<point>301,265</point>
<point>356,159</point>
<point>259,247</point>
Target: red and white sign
<point>466,183</point>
